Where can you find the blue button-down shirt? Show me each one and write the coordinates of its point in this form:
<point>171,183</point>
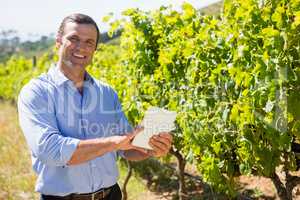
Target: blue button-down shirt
<point>55,116</point>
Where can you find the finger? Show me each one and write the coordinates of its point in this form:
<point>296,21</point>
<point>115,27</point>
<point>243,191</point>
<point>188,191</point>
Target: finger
<point>145,151</point>
<point>166,135</point>
<point>135,132</point>
<point>158,146</point>
<point>138,129</point>
<point>163,140</point>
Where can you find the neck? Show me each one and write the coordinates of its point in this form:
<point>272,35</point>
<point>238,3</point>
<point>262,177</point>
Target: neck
<point>74,73</point>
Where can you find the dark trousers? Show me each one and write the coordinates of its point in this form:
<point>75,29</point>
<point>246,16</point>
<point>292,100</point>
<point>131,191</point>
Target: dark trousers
<point>115,194</point>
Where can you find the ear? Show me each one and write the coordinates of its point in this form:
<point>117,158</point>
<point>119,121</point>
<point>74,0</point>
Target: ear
<point>58,41</point>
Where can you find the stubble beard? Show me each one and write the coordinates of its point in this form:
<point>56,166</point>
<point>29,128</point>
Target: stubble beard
<point>68,63</point>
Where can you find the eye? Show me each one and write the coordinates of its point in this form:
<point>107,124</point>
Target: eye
<point>74,39</point>
<point>90,43</point>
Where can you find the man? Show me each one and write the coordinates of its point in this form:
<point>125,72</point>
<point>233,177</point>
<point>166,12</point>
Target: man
<point>74,124</point>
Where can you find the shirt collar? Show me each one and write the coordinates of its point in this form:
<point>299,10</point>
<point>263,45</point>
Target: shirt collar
<point>59,78</point>
<point>88,78</point>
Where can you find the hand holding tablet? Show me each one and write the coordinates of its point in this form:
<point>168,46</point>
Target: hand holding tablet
<point>156,120</point>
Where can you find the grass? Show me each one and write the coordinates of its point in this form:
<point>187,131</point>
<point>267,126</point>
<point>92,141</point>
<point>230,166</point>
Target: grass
<point>17,178</point>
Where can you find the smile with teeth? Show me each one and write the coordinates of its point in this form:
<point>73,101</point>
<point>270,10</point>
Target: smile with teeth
<point>76,55</point>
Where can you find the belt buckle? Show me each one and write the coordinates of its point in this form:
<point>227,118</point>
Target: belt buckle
<point>101,193</point>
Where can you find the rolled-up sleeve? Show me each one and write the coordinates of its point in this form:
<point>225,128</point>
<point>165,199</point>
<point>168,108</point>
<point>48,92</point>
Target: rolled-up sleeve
<point>38,123</point>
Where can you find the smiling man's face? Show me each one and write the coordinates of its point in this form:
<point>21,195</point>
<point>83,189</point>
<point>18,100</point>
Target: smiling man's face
<point>77,45</point>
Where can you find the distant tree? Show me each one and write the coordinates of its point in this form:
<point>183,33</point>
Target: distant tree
<point>11,44</point>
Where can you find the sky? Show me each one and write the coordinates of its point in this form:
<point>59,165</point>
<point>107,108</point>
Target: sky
<point>33,18</point>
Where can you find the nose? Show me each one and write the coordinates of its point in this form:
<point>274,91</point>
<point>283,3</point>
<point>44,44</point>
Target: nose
<point>81,45</point>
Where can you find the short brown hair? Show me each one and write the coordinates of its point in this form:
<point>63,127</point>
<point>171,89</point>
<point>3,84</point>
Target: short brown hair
<point>78,18</point>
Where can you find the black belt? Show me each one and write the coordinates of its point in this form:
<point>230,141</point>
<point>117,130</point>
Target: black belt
<point>97,195</point>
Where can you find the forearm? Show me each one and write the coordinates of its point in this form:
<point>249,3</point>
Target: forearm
<point>90,149</point>
<point>135,155</point>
